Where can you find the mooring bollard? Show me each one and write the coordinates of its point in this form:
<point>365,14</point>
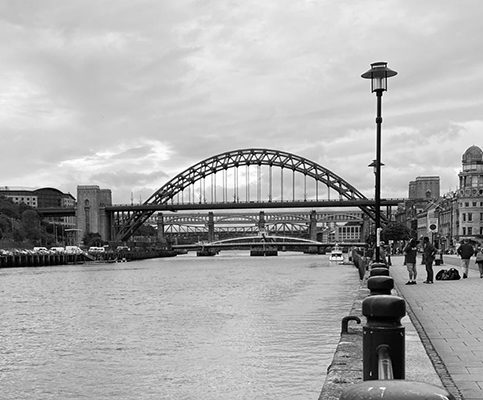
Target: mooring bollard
<point>378,265</point>
<point>379,271</point>
<point>383,313</point>
<point>380,284</point>
<point>395,390</point>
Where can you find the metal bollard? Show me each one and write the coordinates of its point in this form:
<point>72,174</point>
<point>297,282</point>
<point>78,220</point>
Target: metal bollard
<point>380,284</point>
<point>379,271</point>
<point>378,265</point>
<point>383,313</point>
<point>395,390</point>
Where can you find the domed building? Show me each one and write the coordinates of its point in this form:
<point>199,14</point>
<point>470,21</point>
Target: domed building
<point>470,195</point>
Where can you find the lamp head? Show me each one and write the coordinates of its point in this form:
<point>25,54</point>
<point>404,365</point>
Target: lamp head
<point>378,75</point>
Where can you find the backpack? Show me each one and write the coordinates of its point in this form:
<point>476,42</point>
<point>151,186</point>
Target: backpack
<point>441,274</point>
<point>451,274</point>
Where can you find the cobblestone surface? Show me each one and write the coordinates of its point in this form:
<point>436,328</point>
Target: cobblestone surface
<point>448,317</point>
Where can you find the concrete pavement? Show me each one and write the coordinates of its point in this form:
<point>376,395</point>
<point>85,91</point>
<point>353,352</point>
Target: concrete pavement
<point>449,319</point>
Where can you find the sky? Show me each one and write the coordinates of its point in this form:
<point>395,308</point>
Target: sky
<point>128,94</point>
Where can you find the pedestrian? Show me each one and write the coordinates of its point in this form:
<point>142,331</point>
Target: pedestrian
<point>428,253</point>
<point>479,260</point>
<point>410,252</point>
<point>465,251</point>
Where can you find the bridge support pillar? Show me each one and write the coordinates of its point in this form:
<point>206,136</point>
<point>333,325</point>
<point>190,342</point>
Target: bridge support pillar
<point>261,222</point>
<point>313,225</point>
<point>211,227</point>
<point>160,224</point>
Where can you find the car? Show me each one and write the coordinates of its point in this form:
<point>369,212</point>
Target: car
<point>57,249</point>
<point>122,248</point>
<point>95,249</point>
<point>73,250</point>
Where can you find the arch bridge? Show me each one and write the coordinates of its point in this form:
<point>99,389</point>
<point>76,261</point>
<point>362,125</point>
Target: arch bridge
<point>246,179</point>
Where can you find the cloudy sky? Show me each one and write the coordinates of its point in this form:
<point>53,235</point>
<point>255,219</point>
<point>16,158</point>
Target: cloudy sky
<point>127,94</point>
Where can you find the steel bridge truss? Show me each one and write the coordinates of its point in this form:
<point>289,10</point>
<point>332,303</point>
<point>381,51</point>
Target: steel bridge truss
<point>199,184</point>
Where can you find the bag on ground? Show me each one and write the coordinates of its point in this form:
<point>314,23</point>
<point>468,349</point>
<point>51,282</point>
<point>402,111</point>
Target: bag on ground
<point>451,274</point>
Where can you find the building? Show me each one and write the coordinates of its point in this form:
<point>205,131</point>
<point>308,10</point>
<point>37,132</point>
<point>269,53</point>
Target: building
<point>38,198</point>
<point>470,195</point>
<point>454,216</point>
<point>45,198</point>
<point>424,187</point>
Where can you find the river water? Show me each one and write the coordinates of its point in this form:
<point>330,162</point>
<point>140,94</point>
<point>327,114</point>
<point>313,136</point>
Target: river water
<point>226,327</point>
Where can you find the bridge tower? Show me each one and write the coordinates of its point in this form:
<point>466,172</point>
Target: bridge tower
<point>313,225</point>
<point>91,214</point>
<point>261,222</point>
<point>160,224</point>
<point>211,227</point>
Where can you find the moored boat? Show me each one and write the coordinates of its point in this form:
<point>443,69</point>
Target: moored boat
<point>336,254</point>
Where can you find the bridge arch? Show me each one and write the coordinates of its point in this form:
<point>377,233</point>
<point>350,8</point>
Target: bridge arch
<point>235,159</point>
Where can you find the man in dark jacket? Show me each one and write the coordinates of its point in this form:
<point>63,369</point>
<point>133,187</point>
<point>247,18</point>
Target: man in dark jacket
<point>410,252</point>
<point>428,254</point>
<point>465,251</point>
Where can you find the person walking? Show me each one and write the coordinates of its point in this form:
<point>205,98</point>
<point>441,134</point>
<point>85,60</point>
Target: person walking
<point>479,260</point>
<point>428,253</point>
<point>410,252</point>
<point>465,251</point>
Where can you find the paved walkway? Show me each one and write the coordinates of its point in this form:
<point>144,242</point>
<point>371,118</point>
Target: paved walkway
<point>449,318</point>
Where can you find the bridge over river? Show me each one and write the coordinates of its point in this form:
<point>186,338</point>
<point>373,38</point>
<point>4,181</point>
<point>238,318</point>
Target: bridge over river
<point>256,179</point>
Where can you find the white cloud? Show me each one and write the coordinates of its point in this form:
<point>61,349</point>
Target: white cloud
<point>145,89</point>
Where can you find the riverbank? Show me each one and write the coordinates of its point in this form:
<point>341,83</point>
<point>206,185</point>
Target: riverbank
<point>43,260</point>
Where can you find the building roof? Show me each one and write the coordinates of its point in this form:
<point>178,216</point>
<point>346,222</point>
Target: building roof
<point>472,154</point>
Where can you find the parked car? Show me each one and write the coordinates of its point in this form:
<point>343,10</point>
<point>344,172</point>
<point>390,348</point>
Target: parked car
<point>73,250</point>
<point>58,249</point>
<point>94,249</point>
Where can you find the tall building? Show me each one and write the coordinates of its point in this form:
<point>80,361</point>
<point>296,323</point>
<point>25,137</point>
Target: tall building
<point>470,195</point>
<point>424,187</point>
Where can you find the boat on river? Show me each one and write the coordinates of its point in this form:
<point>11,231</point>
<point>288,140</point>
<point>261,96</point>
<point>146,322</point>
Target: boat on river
<point>336,254</point>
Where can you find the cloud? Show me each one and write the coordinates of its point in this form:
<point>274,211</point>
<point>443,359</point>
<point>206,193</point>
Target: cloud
<point>93,91</point>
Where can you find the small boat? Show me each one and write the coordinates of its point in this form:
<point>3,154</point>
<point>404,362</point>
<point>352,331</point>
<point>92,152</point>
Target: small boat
<point>336,254</point>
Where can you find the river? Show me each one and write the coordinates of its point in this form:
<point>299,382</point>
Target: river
<point>226,327</point>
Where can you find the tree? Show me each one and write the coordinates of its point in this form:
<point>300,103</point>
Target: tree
<point>92,239</point>
<point>30,225</point>
<point>395,231</point>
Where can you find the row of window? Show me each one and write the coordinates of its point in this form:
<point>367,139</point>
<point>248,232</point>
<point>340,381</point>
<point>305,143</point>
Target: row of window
<point>468,217</point>
<point>473,204</point>
<point>468,231</point>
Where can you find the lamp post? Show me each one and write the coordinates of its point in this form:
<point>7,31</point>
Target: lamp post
<point>378,75</point>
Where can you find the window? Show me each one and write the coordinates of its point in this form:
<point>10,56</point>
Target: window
<point>470,230</point>
<point>470,217</point>
<point>481,216</point>
<point>474,204</point>
<point>464,231</point>
<point>467,204</point>
<point>464,217</point>
<point>481,230</point>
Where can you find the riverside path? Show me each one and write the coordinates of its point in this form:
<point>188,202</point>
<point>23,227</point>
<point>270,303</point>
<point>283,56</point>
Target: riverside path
<point>448,316</point>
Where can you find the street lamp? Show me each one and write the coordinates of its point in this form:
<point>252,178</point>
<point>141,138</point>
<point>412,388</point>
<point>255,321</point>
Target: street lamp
<point>378,75</point>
